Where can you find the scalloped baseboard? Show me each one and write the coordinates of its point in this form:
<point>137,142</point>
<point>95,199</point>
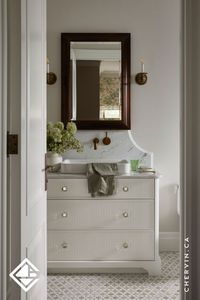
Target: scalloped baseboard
<point>169,241</point>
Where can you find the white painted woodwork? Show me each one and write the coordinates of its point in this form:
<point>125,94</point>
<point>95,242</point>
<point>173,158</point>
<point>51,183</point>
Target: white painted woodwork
<point>102,245</point>
<point>114,266</point>
<point>97,214</point>
<point>126,188</point>
<point>169,241</point>
<point>33,140</point>
<point>97,54</point>
<point>3,149</point>
<point>87,234</point>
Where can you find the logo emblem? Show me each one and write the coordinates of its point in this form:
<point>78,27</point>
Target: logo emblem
<point>25,275</point>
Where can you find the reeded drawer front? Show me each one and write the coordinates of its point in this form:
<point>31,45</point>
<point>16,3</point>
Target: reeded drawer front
<point>75,188</point>
<point>101,245</point>
<point>95,214</point>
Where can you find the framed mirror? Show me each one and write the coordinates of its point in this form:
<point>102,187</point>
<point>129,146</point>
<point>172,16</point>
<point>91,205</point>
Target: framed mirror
<point>96,80</point>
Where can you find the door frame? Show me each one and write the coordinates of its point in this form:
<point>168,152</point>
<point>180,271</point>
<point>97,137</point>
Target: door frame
<point>190,144</point>
<point>3,145</point>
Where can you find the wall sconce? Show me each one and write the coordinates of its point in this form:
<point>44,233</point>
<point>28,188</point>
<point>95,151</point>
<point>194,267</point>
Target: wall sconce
<point>51,77</point>
<point>141,78</point>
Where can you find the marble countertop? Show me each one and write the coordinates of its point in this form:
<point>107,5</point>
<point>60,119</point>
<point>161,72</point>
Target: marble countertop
<point>57,175</point>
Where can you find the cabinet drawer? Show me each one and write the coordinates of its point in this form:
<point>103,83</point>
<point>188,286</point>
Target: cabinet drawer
<point>75,188</point>
<point>135,188</point>
<point>100,245</point>
<point>97,214</point>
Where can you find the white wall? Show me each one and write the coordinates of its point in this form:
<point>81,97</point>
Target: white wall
<point>155,29</point>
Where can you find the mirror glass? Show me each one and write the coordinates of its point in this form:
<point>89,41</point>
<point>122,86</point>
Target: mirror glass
<point>96,80</point>
<point>95,86</point>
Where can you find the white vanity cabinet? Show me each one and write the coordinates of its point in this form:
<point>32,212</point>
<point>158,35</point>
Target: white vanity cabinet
<point>118,233</point>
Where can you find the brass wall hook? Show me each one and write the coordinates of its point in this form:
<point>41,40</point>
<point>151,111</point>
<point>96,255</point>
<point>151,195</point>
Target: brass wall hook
<point>106,140</point>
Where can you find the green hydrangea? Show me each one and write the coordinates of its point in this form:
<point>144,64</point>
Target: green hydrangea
<point>71,127</point>
<point>59,125</point>
<point>59,139</point>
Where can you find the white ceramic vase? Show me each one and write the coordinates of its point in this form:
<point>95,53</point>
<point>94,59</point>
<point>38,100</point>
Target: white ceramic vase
<point>53,158</point>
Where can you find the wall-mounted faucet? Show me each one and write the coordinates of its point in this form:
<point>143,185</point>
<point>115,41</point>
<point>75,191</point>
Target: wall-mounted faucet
<point>95,142</point>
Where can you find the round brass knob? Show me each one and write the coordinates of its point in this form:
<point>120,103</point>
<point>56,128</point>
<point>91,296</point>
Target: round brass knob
<point>125,189</point>
<point>64,245</point>
<point>125,245</point>
<point>64,214</point>
<point>125,214</point>
<point>64,188</point>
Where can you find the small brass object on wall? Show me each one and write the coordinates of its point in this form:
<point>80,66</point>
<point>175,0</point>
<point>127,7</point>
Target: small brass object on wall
<point>106,140</point>
<point>95,142</point>
<point>51,78</point>
<point>141,78</point>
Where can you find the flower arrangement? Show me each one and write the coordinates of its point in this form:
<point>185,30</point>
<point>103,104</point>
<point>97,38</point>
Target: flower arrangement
<point>60,139</point>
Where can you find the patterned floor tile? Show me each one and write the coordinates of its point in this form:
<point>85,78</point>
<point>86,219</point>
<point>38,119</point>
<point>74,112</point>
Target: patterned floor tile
<point>118,286</point>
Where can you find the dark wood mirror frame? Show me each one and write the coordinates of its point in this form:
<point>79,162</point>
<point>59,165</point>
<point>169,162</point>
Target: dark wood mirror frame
<point>66,103</point>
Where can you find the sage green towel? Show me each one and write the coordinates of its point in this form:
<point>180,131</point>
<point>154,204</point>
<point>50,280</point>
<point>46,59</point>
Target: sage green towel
<point>101,178</point>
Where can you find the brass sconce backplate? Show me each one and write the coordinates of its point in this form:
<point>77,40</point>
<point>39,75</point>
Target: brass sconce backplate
<point>141,78</point>
<point>51,78</point>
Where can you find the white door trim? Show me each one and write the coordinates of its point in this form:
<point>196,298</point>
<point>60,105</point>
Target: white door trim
<point>3,144</point>
<point>33,140</point>
<point>169,241</point>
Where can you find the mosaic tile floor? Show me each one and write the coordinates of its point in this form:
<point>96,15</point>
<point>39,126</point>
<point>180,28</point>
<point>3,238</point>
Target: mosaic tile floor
<point>118,286</point>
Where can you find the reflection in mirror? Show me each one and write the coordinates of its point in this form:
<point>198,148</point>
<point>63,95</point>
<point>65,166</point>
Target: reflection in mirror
<point>96,80</point>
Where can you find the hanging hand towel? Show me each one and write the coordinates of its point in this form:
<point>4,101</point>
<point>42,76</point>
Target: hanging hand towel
<point>101,178</point>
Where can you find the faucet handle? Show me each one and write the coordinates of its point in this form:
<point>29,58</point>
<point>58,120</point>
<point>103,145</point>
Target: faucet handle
<point>106,140</point>
<point>95,142</point>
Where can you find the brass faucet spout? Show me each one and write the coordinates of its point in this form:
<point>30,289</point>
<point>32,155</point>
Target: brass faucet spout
<point>95,142</point>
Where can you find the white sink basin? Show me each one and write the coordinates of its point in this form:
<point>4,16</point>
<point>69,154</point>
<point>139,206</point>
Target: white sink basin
<point>78,166</point>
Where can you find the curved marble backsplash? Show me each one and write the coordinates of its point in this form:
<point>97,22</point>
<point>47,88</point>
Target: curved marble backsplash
<point>122,146</point>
